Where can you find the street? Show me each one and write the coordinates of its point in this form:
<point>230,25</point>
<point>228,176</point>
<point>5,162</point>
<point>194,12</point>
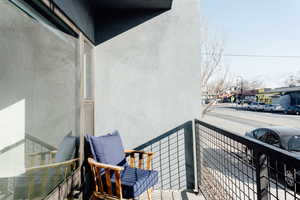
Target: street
<point>236,120</point>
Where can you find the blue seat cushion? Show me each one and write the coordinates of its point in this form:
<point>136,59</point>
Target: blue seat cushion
<point>108,148</point>
<point>136,181</point>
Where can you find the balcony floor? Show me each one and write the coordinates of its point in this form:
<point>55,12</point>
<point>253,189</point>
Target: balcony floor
<point>156,195</point>
<point>172,195</point>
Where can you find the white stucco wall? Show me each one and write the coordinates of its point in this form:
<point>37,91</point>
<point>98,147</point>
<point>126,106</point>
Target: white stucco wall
<point>147,79</point>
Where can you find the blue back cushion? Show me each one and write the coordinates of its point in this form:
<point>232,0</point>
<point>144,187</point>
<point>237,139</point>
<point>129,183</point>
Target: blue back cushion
<point>66,149</point>
<point>108,148</point>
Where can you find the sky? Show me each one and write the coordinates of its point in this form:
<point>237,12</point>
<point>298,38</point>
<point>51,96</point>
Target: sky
<point>257,27</point>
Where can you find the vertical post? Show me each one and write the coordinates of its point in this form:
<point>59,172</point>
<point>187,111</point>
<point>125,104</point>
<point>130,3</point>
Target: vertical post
<point>189,155</point>
<point>80,53</point>
<point>199,153</point>
<point>195,156</point>
<point>261,170</point>
<point>81,128</point>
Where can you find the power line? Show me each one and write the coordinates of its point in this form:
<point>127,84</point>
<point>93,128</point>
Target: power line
<point>255,56</point>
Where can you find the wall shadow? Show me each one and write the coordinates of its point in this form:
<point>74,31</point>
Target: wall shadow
<point>112,22</point>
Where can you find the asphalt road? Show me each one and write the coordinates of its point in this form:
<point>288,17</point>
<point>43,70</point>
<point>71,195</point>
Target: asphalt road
<point>239,121</point>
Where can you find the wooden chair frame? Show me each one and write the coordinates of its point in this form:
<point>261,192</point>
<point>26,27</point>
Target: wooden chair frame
<point>109,169</point>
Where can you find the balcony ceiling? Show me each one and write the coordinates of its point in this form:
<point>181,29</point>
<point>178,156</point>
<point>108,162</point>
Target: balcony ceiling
<point>133,4</point>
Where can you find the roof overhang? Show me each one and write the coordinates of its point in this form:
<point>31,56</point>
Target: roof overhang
<point>132,4</point>
<point>100,20</point>
<point>285,90</point>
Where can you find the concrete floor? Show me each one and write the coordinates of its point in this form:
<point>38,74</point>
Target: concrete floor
<point>156,195</point>
<point>173,195</point>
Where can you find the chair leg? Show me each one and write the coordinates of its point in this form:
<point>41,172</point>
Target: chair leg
<point>94,197</point>
<point>149,193</point>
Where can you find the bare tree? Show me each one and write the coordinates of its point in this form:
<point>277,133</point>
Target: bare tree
<point>217,87</point>
<point>211,57</point>
<point>292,80</point>
<point>214,76</point>
<point>220,84</point>
<point>252,84</point>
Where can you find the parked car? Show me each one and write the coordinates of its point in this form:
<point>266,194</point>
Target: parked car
<point>247,101</point>
<point>226,100</point>
<point>252,106</point>
<point>278,108</point>
<point>260,107</point>
<point>269,107</point>
<point>292,110</point>
<point>281,137</point>
<point>274,108</point>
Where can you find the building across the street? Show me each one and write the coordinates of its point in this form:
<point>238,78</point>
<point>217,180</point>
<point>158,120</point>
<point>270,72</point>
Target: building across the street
<point>272,96</point>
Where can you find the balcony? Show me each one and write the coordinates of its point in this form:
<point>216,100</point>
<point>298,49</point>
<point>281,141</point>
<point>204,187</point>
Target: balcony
<point>41,97</point>
<point>197,160</point>
<point>216,164</point>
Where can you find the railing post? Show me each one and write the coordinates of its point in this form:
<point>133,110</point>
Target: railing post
<point>199,152</point>
<point>189,155</point>
<point>261,170</point>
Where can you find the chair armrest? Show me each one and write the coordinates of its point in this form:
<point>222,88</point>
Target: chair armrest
<point>104,166</point>
<point>137,151</point>
<point>99,186</point>
<point>132,153</point>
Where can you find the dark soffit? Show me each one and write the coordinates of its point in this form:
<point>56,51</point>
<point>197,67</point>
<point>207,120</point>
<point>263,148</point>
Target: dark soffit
<point>132,4</point>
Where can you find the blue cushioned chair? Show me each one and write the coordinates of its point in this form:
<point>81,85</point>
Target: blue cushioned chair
<point>114,178</point>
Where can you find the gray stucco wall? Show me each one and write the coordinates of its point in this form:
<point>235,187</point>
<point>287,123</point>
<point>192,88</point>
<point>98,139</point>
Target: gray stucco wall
<point>148,77</point>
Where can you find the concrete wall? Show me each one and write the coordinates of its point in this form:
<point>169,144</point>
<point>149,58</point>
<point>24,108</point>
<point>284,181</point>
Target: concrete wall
<point>148,77</point>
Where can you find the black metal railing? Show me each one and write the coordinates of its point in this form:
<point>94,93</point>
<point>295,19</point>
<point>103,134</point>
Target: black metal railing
<point>173,158</point>
<point>237,167</point>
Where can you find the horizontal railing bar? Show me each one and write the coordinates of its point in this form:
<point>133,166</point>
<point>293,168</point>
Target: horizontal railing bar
<point>166,161</point>
<point>166,168</point>
<point>158,148</point>
<point>171,132</point>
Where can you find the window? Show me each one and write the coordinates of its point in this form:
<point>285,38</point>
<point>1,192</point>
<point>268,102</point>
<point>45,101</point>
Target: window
<point>39,104</point>
<point>88,71</point>
<point>271,138</point>
<point>259,133</point>
<point>294,143</point>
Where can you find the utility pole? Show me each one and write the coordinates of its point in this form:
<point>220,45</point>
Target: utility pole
<point>241,86</point>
